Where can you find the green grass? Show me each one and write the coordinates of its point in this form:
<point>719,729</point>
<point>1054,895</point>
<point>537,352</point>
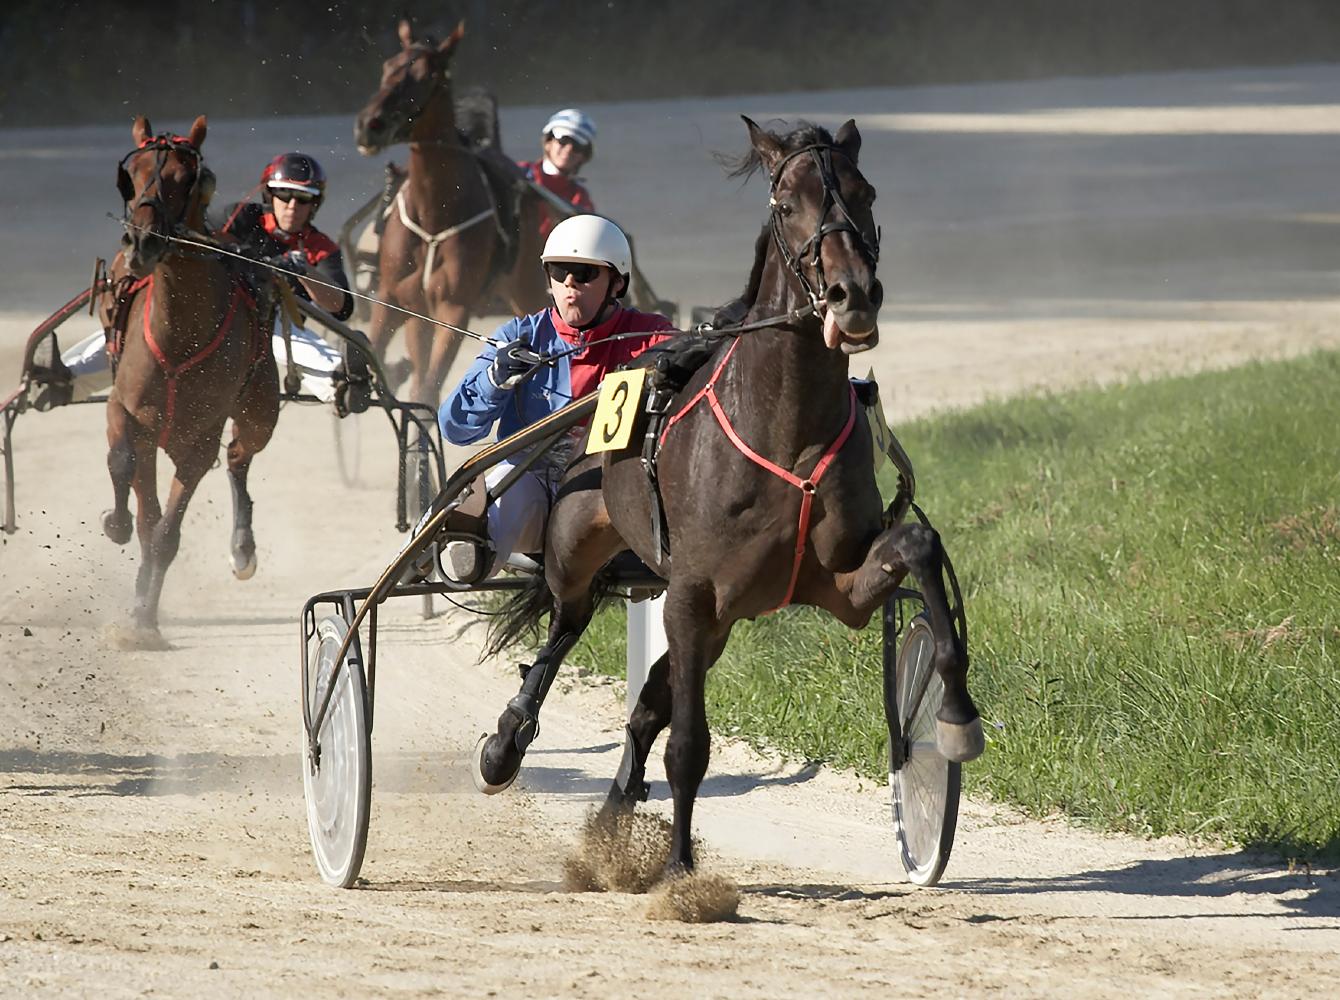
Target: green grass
<point>1152,577</point>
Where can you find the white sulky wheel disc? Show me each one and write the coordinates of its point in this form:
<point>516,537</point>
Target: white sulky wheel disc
<point>338,790</point>
<point>925,790</point>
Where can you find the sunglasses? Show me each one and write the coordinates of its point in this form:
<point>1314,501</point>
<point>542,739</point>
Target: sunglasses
<point>568,140</point>
<point>288,194</point>
<point>583,274</point>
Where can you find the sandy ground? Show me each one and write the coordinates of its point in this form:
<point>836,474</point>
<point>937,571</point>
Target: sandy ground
<point>152,827</point>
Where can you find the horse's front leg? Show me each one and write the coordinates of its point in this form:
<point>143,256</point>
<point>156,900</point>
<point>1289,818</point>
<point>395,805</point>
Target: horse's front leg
<point>696,639</point>
<point>117,523</point>
<point>165,538</point>
<point>254,420</point>
<point>916,548</point>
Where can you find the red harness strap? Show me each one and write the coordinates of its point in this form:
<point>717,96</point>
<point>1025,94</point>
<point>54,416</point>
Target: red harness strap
<point>172,371</point>
<point>808,487</point>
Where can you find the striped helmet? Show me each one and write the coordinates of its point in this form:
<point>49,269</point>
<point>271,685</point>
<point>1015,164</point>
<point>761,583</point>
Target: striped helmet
<point>571,123</point>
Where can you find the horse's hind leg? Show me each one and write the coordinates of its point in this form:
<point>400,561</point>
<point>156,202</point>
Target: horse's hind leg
<point>519,723</point>
<point>650,716</point>
<point>579,541</point>
<point>917,548</point>
<point>117,523</point>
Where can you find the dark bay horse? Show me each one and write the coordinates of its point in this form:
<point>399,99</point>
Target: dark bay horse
<point>444,239</point>
<point>193,356</point>
<point>765,447</point>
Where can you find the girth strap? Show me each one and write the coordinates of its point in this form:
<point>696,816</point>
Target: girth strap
<point>808,487</point>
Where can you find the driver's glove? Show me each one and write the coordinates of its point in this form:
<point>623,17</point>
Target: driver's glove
<point>512,363</point>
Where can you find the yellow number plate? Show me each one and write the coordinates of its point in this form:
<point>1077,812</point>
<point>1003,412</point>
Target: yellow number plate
<point>880,435</point>
<point>616,411</point>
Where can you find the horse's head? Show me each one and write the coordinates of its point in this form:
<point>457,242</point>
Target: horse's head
<point>412,80</point>
<point>823,228</point>
<point>165,186</point>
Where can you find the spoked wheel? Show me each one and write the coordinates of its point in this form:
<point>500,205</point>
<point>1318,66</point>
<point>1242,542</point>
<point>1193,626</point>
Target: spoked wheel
<point>348,448</point>
<point>338,787</point>
<point>925,788</point>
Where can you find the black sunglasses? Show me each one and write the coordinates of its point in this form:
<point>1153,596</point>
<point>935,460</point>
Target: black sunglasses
<point>581,273</point>
<point>288,194</point>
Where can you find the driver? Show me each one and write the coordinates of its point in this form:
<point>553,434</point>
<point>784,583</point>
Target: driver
<point>280,227</point>
<point>569,138</point>
<point>586,261</point>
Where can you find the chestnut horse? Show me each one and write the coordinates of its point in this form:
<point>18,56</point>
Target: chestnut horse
<point>765,446</point>
<point>193,356</point>
<point>444,238</point>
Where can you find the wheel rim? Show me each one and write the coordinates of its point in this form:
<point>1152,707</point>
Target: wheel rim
<point>336,790</point>
<point>922,789</point>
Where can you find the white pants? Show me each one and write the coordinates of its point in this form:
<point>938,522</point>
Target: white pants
<point>313,357</point>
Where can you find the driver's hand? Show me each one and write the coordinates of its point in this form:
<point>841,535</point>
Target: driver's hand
<point>512,363</point>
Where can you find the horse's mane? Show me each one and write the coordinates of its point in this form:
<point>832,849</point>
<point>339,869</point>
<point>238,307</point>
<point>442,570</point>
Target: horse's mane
<point>803,134</point>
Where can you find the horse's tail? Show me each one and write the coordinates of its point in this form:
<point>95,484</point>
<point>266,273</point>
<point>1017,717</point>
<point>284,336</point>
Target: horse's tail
<point>519,616</point>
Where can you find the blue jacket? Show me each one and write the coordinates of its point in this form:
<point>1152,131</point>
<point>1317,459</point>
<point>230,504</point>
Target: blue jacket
<point>476,404</point>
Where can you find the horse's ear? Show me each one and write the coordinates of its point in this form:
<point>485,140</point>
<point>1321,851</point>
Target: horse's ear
<point>451,40</point>
<point>406,33</point>
<point>141,131</point>
<point>849,138</point>
<point>197,136</point>
<point>764,142</point>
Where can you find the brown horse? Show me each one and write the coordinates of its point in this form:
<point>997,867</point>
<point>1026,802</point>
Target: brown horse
<point>444,240</point>
<point>193,356</point>
<point>765,446</point>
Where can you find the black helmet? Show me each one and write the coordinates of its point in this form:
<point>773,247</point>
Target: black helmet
<point>295,172</point>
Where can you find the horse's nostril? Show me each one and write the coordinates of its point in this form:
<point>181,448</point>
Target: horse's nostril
<point>876,294</point>
<point>374,124</point>
<point>836,295</point>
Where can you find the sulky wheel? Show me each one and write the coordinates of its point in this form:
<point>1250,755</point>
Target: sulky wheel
<point>338,787</point>
<point>925,788</point>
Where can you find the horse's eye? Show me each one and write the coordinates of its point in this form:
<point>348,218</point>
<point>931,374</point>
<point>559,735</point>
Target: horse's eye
<point>785,208</point>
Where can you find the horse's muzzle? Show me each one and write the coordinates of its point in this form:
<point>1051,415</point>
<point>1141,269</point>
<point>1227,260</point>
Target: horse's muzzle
<point>146,251</point>
<point>370,134</point>
<point>851,321</point>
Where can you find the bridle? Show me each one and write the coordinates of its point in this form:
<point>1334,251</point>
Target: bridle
<point>161,145</point>
<point>822,155</point>
<point>440,79</point>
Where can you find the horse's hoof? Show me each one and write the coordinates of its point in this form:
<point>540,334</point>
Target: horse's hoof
<point>244,565</point>
<point>491,774</point>
<point>116,526</point>
<point>960,742</point>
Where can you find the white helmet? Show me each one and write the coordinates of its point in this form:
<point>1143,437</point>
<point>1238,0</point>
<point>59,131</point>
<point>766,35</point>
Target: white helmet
<point>571,123</point>
<point>589,239</point>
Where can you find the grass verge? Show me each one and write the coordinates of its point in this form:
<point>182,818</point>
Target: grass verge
<point>1152,578</point>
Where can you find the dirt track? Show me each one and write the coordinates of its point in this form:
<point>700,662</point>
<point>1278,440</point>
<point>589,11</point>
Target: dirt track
<point>151,815</point>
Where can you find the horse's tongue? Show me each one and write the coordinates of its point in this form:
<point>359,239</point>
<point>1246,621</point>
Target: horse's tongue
<point>832,335</point>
